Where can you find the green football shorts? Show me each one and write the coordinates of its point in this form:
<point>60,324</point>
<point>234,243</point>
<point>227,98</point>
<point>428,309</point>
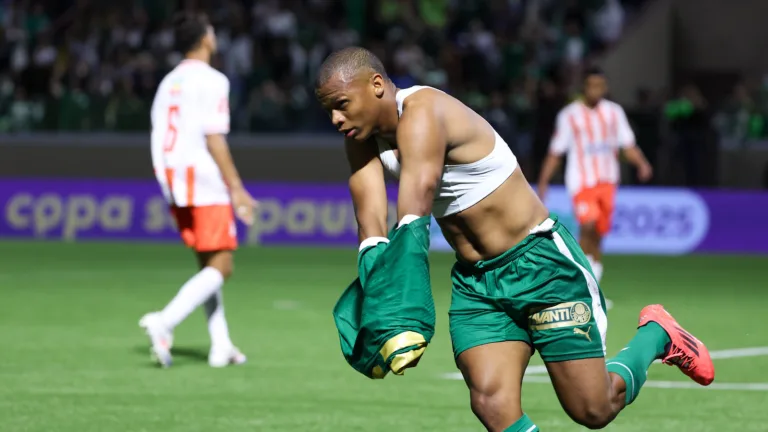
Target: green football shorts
<point>542,292</point>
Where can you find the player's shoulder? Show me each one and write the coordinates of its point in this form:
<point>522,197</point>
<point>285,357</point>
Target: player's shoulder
<point>418,99</point>
<point>568,110</point>
<point>210,77</point>
<point>574,104</point>
<point>218,76</point>
<point>612,104</point>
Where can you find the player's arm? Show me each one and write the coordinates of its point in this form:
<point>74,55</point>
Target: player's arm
<point>219,149</point>
<point>633,154</point>
<point>368,190</point>
<point>215,118</point>
<point>422,145</point>
<point>561,141</point>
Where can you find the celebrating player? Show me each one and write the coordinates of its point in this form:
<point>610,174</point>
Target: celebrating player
<point>591,131</point>
<point>192,163</point>
<point>520,282</point>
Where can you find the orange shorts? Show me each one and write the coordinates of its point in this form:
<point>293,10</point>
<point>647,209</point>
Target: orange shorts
<point>208,228</point>
<point>595,205</point>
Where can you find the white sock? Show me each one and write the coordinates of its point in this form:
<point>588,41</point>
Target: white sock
<point>597,267</point>
<point>192,294</point>
<point>217,323</point>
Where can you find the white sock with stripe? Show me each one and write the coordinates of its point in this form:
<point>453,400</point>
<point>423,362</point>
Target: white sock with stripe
<point>217,323</point>
<point>192,294</point>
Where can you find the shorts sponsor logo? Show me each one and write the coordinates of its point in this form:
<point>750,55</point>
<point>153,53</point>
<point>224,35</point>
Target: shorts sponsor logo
<point>569,314</point>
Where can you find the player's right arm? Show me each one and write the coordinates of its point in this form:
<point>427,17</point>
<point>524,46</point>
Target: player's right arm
<point>561,141</point>
<point>368,189</point>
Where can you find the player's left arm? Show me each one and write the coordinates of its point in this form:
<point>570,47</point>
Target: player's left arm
<point>630,150</point>
<point>215,122</point>
<point>421,142</point>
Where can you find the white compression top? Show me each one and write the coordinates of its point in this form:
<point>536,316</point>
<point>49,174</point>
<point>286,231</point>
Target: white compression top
<point>461,186</point>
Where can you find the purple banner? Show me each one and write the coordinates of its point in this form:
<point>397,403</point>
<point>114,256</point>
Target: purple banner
<point>113,209</point>
<point>647,220</point>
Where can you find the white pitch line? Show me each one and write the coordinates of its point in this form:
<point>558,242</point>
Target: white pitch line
<point>738,353</point>
<point>677,384</point>
<point>533,373</point>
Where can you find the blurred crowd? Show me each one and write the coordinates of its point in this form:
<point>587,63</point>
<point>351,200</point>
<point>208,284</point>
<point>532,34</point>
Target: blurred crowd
<point>94,65</point>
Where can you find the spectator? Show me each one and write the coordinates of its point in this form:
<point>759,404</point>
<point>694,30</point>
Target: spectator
<point>103,60</point>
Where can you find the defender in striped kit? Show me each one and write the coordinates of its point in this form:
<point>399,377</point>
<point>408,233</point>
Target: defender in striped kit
<point>195,172</point>
<point>591,132</point>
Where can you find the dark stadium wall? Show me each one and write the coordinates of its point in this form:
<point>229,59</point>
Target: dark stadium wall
<point>299,158</point>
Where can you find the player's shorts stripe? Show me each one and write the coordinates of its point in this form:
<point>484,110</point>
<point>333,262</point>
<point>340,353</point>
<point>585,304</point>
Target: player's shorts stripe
<point>594,291</point>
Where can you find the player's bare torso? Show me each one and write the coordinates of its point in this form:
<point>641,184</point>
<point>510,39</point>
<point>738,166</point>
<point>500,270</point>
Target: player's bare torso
<point>504,217</point>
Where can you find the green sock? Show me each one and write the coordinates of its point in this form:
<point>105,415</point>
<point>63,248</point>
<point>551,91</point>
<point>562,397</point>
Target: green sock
<point>632,363</point>
<point>524,424</point>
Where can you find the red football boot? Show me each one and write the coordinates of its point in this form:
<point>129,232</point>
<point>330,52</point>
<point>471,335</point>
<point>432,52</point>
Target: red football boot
<point>686,352</point>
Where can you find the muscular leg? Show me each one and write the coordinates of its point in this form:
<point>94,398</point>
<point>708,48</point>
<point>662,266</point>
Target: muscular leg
<point>592,393</point>
<point>494,375</point>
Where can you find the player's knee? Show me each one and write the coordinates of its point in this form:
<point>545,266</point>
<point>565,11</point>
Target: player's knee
<point>227,268</point>
<point>222,262</point>
<point>589,229</point>
<point>488,404</point>
<point>593,416</point>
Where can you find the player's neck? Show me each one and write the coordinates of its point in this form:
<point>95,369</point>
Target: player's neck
<point>388,121</point>
<point>199,55</point>
<point>590,104</point>
<point>389,118</point>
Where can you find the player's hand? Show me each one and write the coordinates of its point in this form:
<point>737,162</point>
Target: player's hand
<point>542,190</point>
<point>645,172</point>
<point>244,205</point>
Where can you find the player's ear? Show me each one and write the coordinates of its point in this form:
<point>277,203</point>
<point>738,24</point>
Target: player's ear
<point>378,85</point>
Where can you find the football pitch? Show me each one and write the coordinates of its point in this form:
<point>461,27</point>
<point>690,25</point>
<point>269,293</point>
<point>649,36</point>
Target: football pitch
<point>74,359</point>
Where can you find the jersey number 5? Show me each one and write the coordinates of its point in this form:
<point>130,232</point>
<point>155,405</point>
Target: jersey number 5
<point>172,133</point>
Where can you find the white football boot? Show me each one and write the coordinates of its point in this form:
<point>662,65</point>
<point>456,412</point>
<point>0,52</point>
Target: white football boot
<point>225,356</point>
<point>159,336</point>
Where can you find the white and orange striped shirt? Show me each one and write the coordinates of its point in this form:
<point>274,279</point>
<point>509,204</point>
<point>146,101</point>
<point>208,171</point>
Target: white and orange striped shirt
<point>591,137</point>
<point>192,101</point>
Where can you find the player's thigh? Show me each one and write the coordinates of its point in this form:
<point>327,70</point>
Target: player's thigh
<point>490,347</point>
<point>222,260</point>
<point>566,313</point>
<point>607,205</point>
<point>215,228</point>
<point>477,318</point>
<point>586,207</point>
<point>585,390</point>
<point>215,237</point>
<point>494,375</point>
<point>570,326</point>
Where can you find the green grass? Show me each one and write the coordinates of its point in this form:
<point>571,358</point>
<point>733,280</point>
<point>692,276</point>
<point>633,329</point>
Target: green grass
<point>73,358</point>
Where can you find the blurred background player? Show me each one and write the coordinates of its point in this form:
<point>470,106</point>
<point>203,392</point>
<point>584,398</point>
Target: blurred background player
<point>591,130</point>
<point>192,163</point>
